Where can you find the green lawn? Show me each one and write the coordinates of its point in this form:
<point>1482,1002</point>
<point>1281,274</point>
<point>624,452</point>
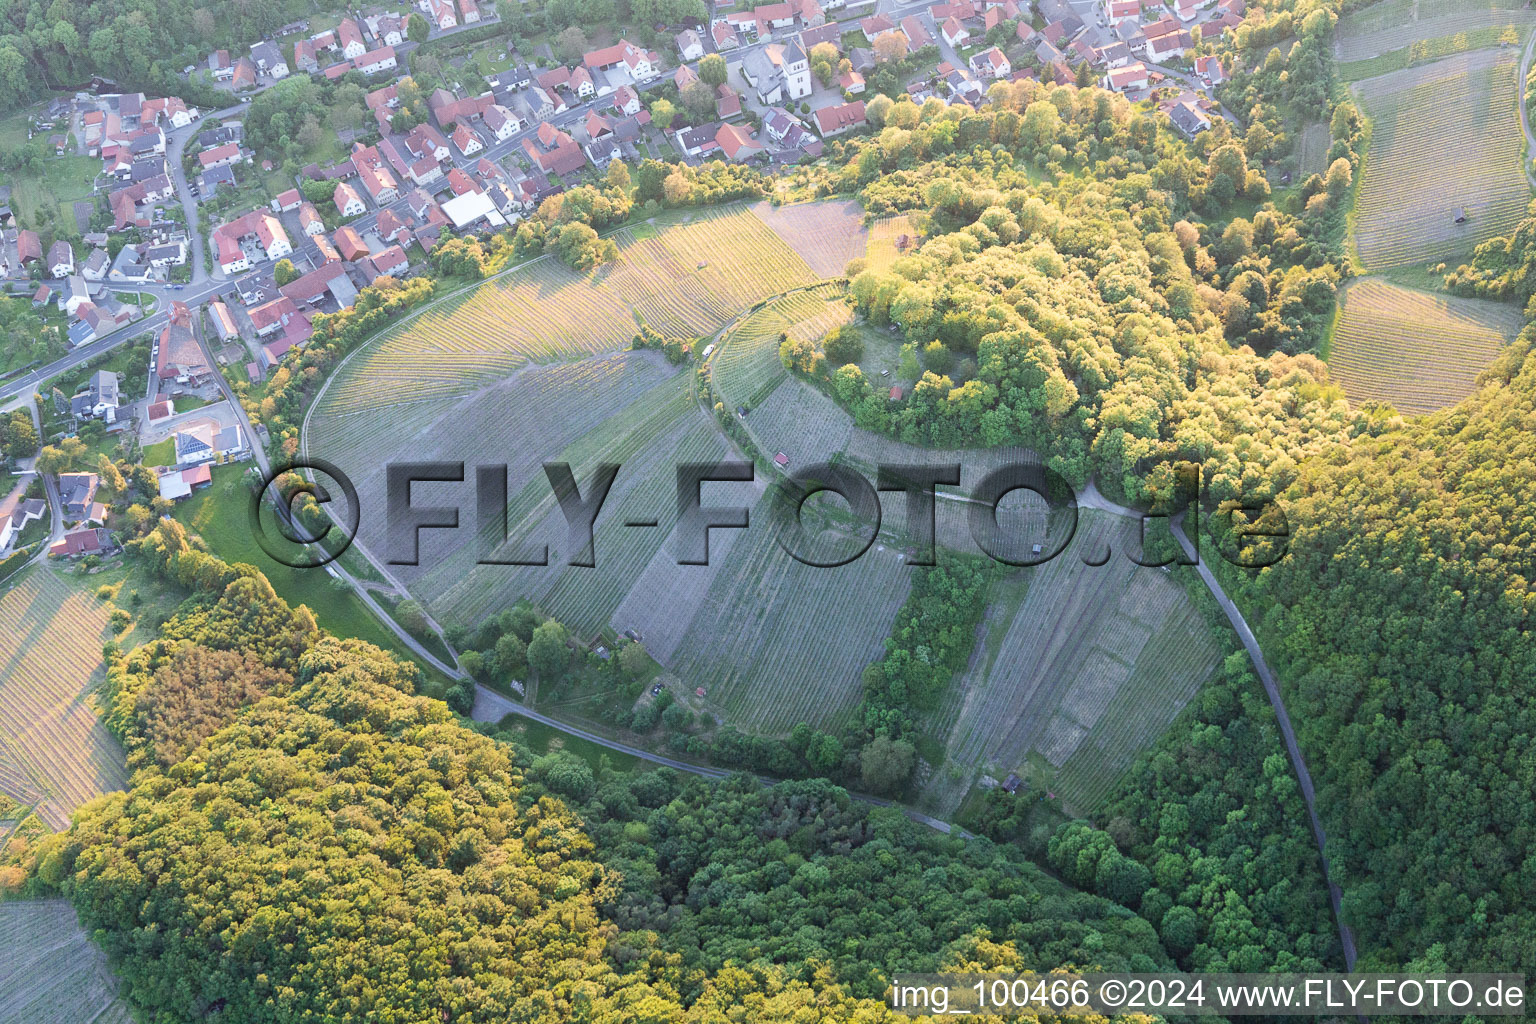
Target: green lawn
<point>161,454</point>
<point>219,514</point>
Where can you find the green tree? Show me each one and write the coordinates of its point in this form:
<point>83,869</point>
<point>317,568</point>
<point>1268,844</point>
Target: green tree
<point>416,28</point>
<point>284,272</point>
<point>712,70</point>
<point>886,764</point>
<point>548,654</point>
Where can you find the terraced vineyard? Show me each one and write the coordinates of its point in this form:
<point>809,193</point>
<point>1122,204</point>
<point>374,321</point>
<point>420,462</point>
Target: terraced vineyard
<point>825,234</point>
<point>1419,351</point>
<point>54,751</point>
<point>884,236</point>
<point>1456,114</point>
<point>51,971</point>
<point>687,279</point>
<point>747,367</point>
<point>1080,669</point>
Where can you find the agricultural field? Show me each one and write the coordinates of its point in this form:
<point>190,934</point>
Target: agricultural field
<point>1429,48</point>
<point>1421,352</point>
<point>1079,669</point>
<point>746,369</point>
<point>1458,113</point>
<point>1396,25</point>
<point>687,279</point>
<point>885,236</point>
<point>51,970</point>
<point>777,642</point>
<point>55,754</point>
<point>825,234</point>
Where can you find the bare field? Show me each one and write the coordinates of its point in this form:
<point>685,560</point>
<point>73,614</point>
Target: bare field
<point>50,971</point>
<point>1419,351</point>
<point>54,751</point>
<point>825,234</point>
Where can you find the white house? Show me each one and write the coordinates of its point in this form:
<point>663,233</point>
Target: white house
<point>349,35</point>
<point>375,61</point>
<point>442,14</point>
<point>689,45</point>
<point>1130,77</point>
<point>61,259</point>
<point>501,121</point>
<point>348,202</point>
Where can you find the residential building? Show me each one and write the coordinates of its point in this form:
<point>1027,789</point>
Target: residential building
<point>348,202</point>
<point>641,64</point>
<point>836,120</point>
<point>377,61</point>
<point>310,221</point>
<point>1128,78</point>
<point>180,357</point>
<point>349,37</point>
<point>61,259</point>
<point>442,14</point>
<point>690,46</point>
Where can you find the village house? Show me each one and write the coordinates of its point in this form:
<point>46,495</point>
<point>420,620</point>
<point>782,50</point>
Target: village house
<point>836,120</point>
<point>79,543</point>
<point>258,228</point>
<point>61,259</point>
<point>1128,78</point>
<point>442,14</point>
<point>689,45</point>
<point>641,64</point>
<point>991,64</point>
<point>77,494</point>
<point>467,142</point>
<point>349,38</point>
<point>180,357</point>
<point>377,61</point>
<point>554,151</point>
<point>269,59</point>
<point>350,244</point>
<point>348,202</point>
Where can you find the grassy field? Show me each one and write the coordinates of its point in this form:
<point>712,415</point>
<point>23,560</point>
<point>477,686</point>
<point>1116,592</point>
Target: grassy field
<point>218,514</point>
<point>1312,144</point>
<point>688,279</point>
<point>1456,114</point>
<point>825,234</point>
<point>1420,352</point>
<point>51,971</point>
<point>55,754</point>
<point>1079,669</point>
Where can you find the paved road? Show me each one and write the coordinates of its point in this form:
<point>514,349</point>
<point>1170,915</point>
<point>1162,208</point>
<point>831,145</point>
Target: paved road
<point>1272,688</point>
